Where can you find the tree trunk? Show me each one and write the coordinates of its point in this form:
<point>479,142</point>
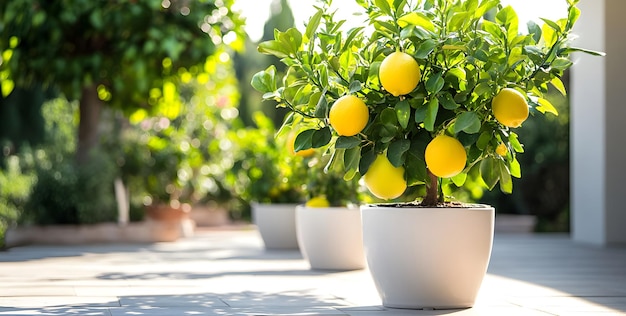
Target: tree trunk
<point>89,112</point>
<point>432,191</point>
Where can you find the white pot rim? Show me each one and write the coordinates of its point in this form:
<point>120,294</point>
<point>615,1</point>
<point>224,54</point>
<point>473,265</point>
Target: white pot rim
<point>413,206</point>
<point>330,208</point>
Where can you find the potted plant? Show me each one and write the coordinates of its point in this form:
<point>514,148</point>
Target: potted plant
<point>425,93</point>
<point>269,177</point>
<point>329,224</point>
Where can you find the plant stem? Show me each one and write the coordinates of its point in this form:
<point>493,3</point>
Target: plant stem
<point>432,191</point>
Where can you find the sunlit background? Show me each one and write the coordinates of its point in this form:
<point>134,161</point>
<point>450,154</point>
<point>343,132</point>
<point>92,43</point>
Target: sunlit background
<point>256,12</point>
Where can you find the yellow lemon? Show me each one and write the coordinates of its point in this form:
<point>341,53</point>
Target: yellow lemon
<point>501,150</point>
<point>399,73</point>
<point>509,107</point>
<point>348,115</point>
<point>302,153</point>
<point>445,156</point>
<point>318,201</point>
<point>384,180</point>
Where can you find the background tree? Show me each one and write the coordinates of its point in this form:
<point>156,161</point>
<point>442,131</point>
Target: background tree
<point>120,53</point>
<point>246,65</point>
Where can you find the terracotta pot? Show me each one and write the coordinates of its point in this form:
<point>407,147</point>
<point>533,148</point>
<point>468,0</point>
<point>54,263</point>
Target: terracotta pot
<point>166,212</point>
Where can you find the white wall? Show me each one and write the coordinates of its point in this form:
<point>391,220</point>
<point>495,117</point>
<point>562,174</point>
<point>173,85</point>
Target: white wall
<point>598,125</point>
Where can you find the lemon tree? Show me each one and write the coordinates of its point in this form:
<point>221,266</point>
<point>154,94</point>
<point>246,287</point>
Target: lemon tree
<point>445,83</point>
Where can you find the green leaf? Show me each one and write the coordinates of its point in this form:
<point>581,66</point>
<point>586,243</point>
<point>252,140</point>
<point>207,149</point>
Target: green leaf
<point>558,84</point>
<point>388,117</point>
<point>355,86</point>
<point>351,35</point>
<point>435,83</point>
<point>275,48</point>
<point>515,144</point>
<point>314,22</point>
<point>420,113</point>
<point>335,162</point>
<point>321,137</point>
<point>403,113</point>
<point>483,140</point>
<point>447,101</point>
<point>490,172</point>
<point>459,179</point>
<point>484,7</point>
<point>548,33</point>
<point>396,153</point>
<point>468,122</point>
<point>367,158</point>
<point>322,70</point>
<point>416,31</point>
<point>265,81</point>
<point>424,49</point>
<point>494,29</point>
<point>546,106</point>
<point>351,160</point>
<point>534,30</point>
<point>458,72</point>
<point>347,142</point>
<point>583,50</point>
<point>506,183</point>
<point>515,168</point>
<point>290,40</point>
<point>415,170</point>
<point>416,19</point>
<point>431,115</point>
<point>304,140</point>
<point>415,162</point>
<point>555,26</point>
<point>458,20</point>
<point>383,5</point>
<point>508,17</point>
<point>561,63</point>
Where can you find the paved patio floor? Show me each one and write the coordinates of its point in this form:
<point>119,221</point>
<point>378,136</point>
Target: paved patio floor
<point>227,272</point>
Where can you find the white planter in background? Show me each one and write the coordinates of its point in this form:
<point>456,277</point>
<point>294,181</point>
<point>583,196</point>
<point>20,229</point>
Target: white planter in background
<point>330,238</point>
<point>277,225</point>
<point>427,257</point>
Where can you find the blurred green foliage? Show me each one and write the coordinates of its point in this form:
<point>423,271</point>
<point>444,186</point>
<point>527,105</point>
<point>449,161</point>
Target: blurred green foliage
<point>180,159</point>
<point>51,188</point>
<point>126,48</point>
<point>264,169</point>
<point>249,61</point>
<point>330,183</point>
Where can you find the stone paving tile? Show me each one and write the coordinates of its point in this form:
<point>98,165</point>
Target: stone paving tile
<point>567,304</point>
<point>247,311</point>
<point>59,311</point>
<point>156,301</point>
<point>57,301</point>
<point>229,273</point>
<point>300,298</point>
<point>8,291</point>
<point>476,311</point>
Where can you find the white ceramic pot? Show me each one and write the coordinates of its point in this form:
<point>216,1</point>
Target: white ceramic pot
<point>277,225</point>
<point>330,238</point>
<point>427,257</point>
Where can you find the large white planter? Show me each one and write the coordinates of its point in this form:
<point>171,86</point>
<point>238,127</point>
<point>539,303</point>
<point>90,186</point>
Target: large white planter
<point>277,225</point>
<point>427,257</point>
<point>330,238</point>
